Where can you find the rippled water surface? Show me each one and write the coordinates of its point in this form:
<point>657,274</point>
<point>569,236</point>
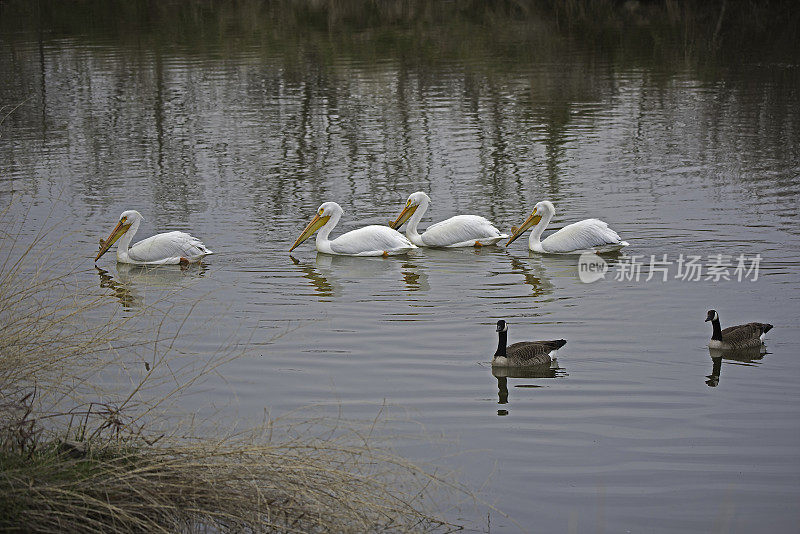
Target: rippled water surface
<point>238,140</point>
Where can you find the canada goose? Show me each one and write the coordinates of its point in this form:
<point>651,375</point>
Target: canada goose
<point>743,336</point>
<point>523,353</point>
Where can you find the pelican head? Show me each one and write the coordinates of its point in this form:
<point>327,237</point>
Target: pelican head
<point>415,200</point>
<point>324,214</point>
<point>126,220</point>
<point>712,316</point>
<point>502,326</point>
<point>542,209</point>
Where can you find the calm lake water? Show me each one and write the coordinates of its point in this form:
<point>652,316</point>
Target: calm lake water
<point>237,131</point>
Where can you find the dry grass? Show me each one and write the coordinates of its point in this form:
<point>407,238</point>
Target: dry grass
<point>75,456</point>
<point>309,483</point>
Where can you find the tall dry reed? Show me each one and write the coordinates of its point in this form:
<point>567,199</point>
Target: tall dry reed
<point>77,456</point>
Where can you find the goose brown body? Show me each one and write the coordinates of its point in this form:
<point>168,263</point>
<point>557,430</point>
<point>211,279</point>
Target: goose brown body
<point>533,352</point>
<point>739,337</point>
<point>523,353</point>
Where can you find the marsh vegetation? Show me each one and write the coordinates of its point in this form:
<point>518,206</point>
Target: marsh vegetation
<point>80,454</point>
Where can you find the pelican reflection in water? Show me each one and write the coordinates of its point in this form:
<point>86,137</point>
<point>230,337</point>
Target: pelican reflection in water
<point>319,282</point>
<point>538,271</point>
<point>533,275</point>
<point>121,291</point>
<point>328,272</point>
<point>131,279</point>
<point>414,277</point>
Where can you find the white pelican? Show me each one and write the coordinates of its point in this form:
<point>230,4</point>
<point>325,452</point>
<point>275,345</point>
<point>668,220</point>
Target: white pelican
<point>458,231</point>
<point>372,240</point>
<point>169,248</point>
<point>583,236</point>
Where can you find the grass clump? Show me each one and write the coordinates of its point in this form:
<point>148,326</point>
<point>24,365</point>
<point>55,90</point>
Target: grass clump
<point>308,485</point>
<point>77,456</point>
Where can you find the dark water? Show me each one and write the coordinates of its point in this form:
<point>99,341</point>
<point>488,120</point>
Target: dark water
<point>238,125</point>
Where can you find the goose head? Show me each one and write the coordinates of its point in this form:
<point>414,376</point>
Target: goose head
<point>502,326</point>
<point>712,316</point>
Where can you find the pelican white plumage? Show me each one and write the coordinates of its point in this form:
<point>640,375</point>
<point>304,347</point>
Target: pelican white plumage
<point>458,231</point>
<point>372,240</point>
<point>169,248</point>
<point>589,235</point>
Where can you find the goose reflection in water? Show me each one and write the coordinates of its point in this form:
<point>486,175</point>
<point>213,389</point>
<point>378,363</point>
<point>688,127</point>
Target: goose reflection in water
<point>132,278</point>
<point>746,357</point>
<point>551,370</point>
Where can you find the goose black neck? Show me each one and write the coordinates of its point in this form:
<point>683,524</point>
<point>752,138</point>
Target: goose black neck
<point>713,378</point>
<point>502,390</point>
<point>717,333</point>
<point>717,366</point>
<point>501,343</point>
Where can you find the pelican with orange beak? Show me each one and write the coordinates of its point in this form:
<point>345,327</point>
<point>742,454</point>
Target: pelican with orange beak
<point>373,240</point>
<point>169,248</point>
<point>589,235</point>
<point>457,231</point>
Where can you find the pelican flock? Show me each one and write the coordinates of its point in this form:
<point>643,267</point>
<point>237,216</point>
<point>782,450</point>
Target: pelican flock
<point>170,248</point>
<point>458,231</point>
<point>589,235</point>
